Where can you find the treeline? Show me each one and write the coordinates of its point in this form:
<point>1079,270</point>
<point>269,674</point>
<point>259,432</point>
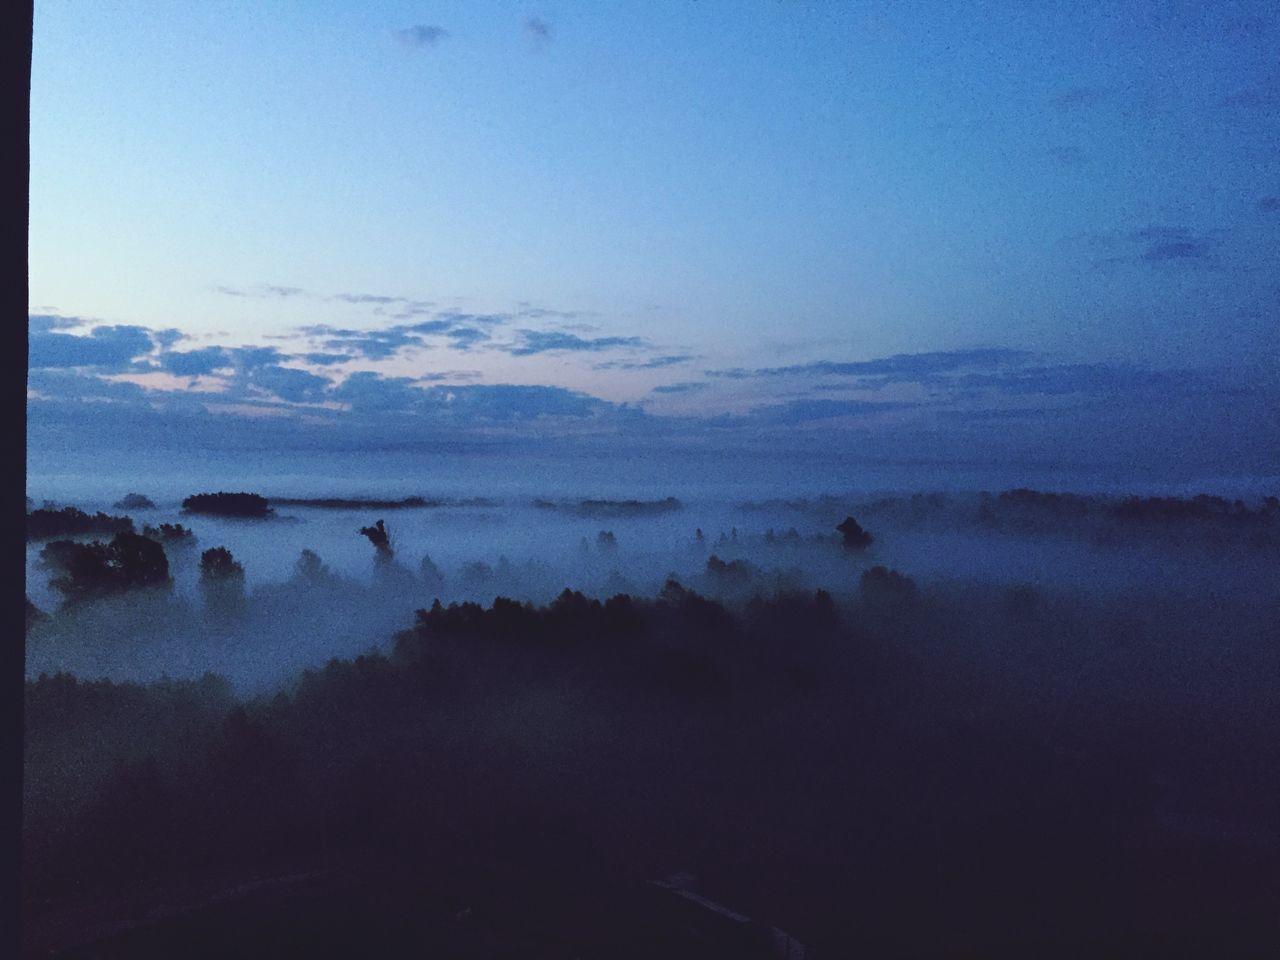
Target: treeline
<point>46,523</point>
<point>163,775</point>
<point>246,505</point>
<point>1202,518</point>
<point>356,503</point>
<point>612,508</point>
<point>799,755</point>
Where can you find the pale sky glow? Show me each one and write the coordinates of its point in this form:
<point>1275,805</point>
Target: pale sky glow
<point>632,198</point>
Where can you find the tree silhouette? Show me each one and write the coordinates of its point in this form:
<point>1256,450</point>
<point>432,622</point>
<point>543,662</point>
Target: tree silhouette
<point>48,522</point>
<point>134,501</point>
<point>218,564</point>
<point>128,562</point>
<point>430,572</point>
<point>854,537</point>
<point>310,567</point>
<point>174,533</point>
<point>221,579</point>
<point>228,504</point>
<point>380,537</point>
<point>885,587</point>
<point>34,614</point>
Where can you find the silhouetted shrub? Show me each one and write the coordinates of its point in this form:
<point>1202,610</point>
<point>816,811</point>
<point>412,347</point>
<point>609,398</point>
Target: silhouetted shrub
<point>134,501</point>
<point>221,580</point>
<point>57,554</point>
<point>217,564</point>
<point>44,524</point>
<point>853,536</point>
<point>380,537</point>
<point>128,562</point>
<point>228,504</point>
<point>309,566</point>
<point>880,585</point>
<point>735,573</point>
<point>430,573</point>
<point>170,533</point>
<point>34,614</point>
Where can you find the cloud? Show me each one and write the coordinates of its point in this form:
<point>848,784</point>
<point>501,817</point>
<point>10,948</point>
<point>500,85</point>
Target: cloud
<point>1261,96</point>
<point>66,385</point>
<point>376,298</point>
<point>370,393</point>
<point>326,359</point>
<point>450,375</point>
<point>1162,244</point>
<point>287,383</point>
<point>167,338</point>
<point>541,313</point>
<point>263,291</point>
<point>430,326</point>
<point>1246,29</point>
<point>537,30</point>
<point>902,366</point>
<point>1177,250</point>
<point>795,412</point>
<point>1101,379</point>
<point>382,302</point>
<point>195,363</point>
<point>110,348</point>
<point>655,363</point>
<point>550,341</point>
<point>485,319</point>
<point>421,35</point>
<point>464,338</point>
<point>462,331</point>
<point>371,344</point>
<point>45,322</point>
<point>1077,98</point>
<point>250,358</point>
<point>690,386</point>
<point>1157,245</point>
<point>1067,155</point>
<point>511,402</point>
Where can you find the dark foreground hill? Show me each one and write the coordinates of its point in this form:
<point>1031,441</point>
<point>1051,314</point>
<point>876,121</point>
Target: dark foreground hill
<point>511,778</point>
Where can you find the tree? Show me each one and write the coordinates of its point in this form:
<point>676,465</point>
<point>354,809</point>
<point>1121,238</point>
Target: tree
<point>217,564</point>
<point>854,537</point>
<point>174,533</point>
<point>128,562</point>
<point>884,587</point>
<point>34,613</point>
<point>380,537</point>
<point>430,572</point>
<point>221,579</point>
<point>134,501</point>
<point>228,504</point>
<point>310,567</point>
<point>48,522</point>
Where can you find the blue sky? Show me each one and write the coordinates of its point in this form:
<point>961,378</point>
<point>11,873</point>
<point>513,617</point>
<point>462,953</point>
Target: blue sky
<point>691,217</point>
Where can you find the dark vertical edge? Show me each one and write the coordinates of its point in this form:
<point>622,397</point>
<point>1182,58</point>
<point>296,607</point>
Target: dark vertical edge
<point>16,61</point>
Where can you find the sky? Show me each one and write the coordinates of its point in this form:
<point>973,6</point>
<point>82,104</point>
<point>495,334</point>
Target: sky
<point>912,229</point>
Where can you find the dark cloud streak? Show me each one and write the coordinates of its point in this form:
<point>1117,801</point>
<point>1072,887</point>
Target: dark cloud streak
<point>421,35</point>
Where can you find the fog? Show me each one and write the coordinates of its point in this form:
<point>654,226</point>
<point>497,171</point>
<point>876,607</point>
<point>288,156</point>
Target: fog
<point>1080,689</point>
<point>532,548</point>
